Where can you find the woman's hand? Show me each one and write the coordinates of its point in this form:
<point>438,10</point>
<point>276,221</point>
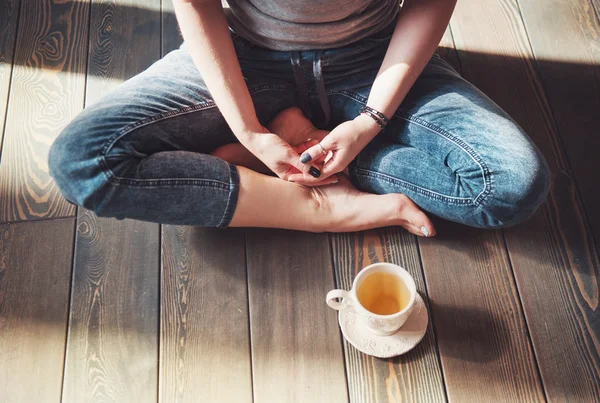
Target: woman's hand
<point>284,160</point>
<point>338,148</point>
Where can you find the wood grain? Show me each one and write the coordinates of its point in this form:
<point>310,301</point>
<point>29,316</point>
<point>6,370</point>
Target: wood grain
<point>482,336</point>
<point>35,273</point>
<point>112,345</point>
<point>125,39</point>
<point>568,60</point>
<point>413,377</point>
<point>296,346</point>
<point>205,349</point>
<point>554,259</point>
<point>9,14</point>
<point>114,325</point>
<point>46,93</point>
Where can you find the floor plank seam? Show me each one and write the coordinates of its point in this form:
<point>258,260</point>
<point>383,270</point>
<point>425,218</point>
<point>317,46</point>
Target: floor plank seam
<point>87,56</point>
<point>524,317</point>
<point>249,316</point>
<point>336,285</point>
<point>454,50</point>
<point>160,29</point>
<point>429,312</point>
<point>41,219</point>
<point>596,9</point>
<point>10,80</point>
<point>159,311</point>
<point>71,288</point>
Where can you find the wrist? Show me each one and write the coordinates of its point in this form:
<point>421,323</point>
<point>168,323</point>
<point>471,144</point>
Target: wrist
<point>366,125</point>
<point>249,134</point>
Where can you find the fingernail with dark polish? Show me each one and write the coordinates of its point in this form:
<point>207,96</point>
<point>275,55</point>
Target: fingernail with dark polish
<point>314,172</point>
<point>304,158</point>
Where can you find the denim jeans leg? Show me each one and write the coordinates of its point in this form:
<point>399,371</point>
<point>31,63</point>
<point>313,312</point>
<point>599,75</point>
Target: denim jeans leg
<point>143,150</point>
<point>448,147</point>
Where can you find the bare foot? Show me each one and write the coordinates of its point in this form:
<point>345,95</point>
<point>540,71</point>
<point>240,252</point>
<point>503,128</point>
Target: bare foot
<point>289,124</point>
<point>295,128</point>
<point>345,208</point>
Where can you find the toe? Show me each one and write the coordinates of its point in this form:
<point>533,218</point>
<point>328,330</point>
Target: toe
<point>418,221</point>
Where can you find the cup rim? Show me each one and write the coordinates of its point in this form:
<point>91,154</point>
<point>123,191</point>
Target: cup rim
<point>376,315</point>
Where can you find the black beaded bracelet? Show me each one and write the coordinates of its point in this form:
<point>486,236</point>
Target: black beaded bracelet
<point>377,116</point>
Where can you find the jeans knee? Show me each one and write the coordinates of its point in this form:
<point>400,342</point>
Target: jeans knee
<point>58,165</point>
<point>519,194</point>
<point>74,169</point>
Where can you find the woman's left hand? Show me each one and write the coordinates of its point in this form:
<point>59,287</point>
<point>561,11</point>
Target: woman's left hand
<point>338,148</point>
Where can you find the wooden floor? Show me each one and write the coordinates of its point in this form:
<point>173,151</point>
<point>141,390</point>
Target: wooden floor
<point>98,310</point>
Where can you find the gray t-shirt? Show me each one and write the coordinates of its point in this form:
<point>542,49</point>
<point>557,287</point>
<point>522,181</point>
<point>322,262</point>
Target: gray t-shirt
<point>309,24</point>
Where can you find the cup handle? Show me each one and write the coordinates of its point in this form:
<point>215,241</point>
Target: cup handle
<point>334,294</point>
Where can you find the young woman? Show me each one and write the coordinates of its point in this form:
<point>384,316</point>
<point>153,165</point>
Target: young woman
<point>185,141</point>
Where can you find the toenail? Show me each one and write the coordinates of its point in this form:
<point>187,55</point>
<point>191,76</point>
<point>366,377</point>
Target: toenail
<point>425,231</point>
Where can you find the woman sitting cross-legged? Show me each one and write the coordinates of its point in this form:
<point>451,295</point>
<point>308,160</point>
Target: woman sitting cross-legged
<point>223,131</point>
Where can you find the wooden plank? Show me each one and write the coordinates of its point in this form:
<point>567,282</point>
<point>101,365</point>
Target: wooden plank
<point>46,93</point>
<point>9,14</point>
<point>554,260</point>
<point>125,39</point>
<point>482,336</point>
<point>205,346</point>
<point>568,60</point>
<point>296,343</point>
<point>113,334</point>
<point>112,346</point>
<point>35,273</point>
<point>413,377</point>
<point>569,65</point>
<point>205,349</point>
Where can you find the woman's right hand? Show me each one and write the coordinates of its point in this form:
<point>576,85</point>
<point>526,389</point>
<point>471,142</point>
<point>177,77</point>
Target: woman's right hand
<point>283,159</point>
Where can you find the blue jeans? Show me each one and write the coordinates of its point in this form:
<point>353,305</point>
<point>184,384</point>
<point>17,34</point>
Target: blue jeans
<point>142,151</point>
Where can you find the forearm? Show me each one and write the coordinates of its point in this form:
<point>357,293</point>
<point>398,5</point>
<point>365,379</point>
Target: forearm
<point>418,32</point>
<point>204,28</point>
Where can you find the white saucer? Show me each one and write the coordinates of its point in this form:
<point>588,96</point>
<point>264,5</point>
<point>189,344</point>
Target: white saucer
<point>409,335</point>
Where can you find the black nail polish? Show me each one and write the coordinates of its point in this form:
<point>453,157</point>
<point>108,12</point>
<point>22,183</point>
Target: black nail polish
<point>304,158</point>
<point>314,172</point>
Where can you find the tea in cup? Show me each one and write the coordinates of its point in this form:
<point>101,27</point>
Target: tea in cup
<point>382,294</point>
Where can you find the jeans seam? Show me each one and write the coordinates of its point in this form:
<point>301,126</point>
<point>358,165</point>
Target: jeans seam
<point>417,189</point>
<point>234,180</point>
<point>487,174</point>
<point>160,182</point>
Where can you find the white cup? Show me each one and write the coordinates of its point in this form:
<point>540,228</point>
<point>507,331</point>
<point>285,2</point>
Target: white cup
<point>381,325</point>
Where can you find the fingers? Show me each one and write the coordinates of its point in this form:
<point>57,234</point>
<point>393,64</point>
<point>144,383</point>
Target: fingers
<point>302,147</point>
<point>307,172</point>
<point>316,151</point>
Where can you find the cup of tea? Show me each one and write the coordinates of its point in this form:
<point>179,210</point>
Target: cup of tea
<point>383,295</point>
